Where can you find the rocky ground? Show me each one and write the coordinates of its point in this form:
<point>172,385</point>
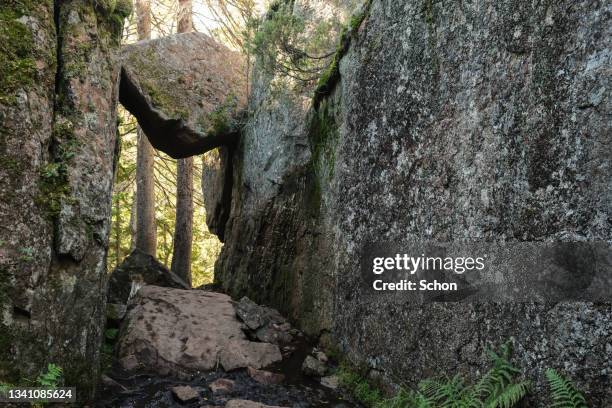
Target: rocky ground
<point>199,348</point>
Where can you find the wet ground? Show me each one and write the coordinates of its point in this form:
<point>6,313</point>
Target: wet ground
<point>147,390</point>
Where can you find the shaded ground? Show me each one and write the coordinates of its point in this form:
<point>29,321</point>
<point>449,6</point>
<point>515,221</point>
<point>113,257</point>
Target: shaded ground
<point>149,363</point>
<point>152,391</point>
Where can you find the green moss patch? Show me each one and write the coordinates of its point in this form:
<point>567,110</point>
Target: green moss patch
<point>331,76</point>
<point>18,68</point>
<point>55,188</point>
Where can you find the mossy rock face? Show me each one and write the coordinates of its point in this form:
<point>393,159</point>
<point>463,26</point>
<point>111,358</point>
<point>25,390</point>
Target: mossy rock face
<point>57,147</point>
<point>187,85</point>
<point>21,53</point>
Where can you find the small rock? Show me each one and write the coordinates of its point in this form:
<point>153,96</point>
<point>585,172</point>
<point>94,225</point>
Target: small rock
<point>248,404</point>
<point>270,334</point>
<point>283,327</point>
<point>313,367</point>
<point>321,356</point>
<point>185,393</point>
<point>222,385</point>
<point>243,353</point>
<point>255,316</point>
<point>331,381</point>
<point>250,313</point>
<point>129,362</point>
<point>265,377</point>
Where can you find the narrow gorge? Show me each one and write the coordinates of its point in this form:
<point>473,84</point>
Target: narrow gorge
<point>473,122</point>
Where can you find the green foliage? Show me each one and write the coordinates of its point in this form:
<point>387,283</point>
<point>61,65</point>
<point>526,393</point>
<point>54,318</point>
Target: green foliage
<point>498,388</point>
<point>54,175</point>
<point>291,46</point>
<point>563,392</point>
<point>220,120</point>
<point>114,13</point>
<point>323,134</point>
<point>330,76</point>
<point>358,386</point>
<point>111,334</point>
<point>52,378</point>
<point>4,386</point>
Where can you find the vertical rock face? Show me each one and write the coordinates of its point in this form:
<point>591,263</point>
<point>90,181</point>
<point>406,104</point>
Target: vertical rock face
<point>451,121</point>
<point>58,141</point>
<point>217,188</point>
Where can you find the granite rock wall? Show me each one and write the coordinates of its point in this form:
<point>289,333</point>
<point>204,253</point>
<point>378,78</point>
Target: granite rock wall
<point>484,120</point>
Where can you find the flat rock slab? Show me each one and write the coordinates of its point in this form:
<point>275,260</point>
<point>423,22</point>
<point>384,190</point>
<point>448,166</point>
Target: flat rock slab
<point>183,89</point>
<point>174,331</point>
<point>244,353</point>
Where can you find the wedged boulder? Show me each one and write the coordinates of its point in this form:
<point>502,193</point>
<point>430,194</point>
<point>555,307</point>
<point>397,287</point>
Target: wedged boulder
<point>174,331</point>
<point>138,269</point>
<point>185,90</point>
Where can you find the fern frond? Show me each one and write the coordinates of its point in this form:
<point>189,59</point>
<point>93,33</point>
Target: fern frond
<point>439,391</point>
<point>510,395</point>
<point>563,392</point>
<point>405,399</point>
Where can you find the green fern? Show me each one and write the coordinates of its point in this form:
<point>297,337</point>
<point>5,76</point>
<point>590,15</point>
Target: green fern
<point>510,396</point>
<point>404,399</point>
<point>496,389</point>
<point>563,392</point>
<point>51,378</point>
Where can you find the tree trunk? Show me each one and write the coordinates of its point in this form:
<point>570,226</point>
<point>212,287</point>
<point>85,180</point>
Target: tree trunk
<point>133,222</point>
<point>183,228</point>
<point>185,17</point>
<point>143,19</point>
<point>146,233</point>
<point>181,257</point>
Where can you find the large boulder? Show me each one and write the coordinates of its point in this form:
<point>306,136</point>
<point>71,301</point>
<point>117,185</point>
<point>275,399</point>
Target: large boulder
<point>137,270</point>
<point>185,90</point>
<point>174,331</point>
